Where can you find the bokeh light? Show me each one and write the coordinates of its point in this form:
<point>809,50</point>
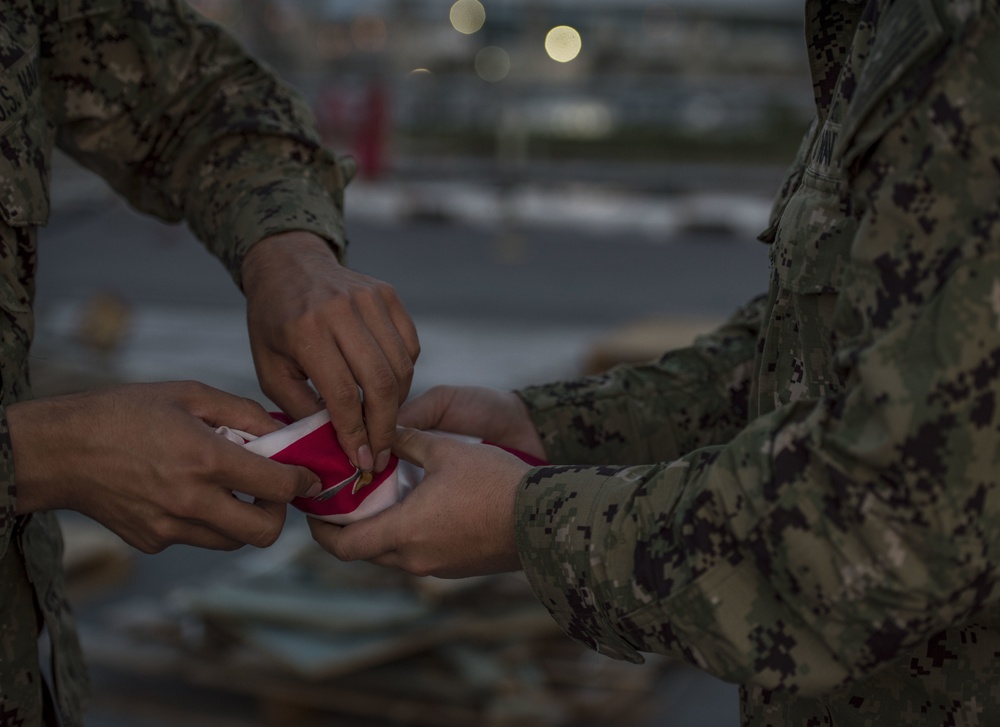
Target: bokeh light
<point>467,16</point>
<point>563,43</point>
<point>492,64</point>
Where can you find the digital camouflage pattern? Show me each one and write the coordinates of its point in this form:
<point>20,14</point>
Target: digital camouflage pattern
<point>807,502</point>
<point>174,115</point>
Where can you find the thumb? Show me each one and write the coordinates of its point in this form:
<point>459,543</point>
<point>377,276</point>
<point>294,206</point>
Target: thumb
<point>424,411</point>
<point>413,445</point>
<point>307,483</point>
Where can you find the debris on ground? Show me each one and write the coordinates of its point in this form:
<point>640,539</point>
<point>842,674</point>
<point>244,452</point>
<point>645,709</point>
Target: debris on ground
<point>306,633</point>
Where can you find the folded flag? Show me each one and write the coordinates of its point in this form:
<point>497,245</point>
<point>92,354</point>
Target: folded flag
<point>348,494</point>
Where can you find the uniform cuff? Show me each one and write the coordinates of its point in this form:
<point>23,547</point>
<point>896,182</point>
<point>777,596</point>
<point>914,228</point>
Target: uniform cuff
<point>554,544</point>
<point>290,196</point>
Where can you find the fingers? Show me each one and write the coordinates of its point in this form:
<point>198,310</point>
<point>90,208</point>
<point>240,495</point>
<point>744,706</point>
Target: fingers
<point>371,539</point>
<point>414,445</point>
<point>227,464</point>
<point>178,532</point>
<point>212,517</point>
<point>232,525</point>
<point>205,518</point>
<point>234,468</point>
<point>219,408</point>
<point>341,381</point>
<point>358,350</point>
<point>145,461</point>
<point>406,329</point>
<point>489,414</point>
<point>428,410</point>
<point>380,353</point>
<point>284,383</point>
<point>216,519</point>
<point>258,524</point>
<point>365,353</point>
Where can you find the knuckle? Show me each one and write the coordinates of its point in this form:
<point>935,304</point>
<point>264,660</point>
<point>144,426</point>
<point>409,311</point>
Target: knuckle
<point>382,383</point>
<point>370,294</point>
<point>385,290</point>
<point>335,304</point>
<point>404,436</point>
<point>419,566</point>
<point>267,535</point>
<point>286,491</point>
<point>254,407</point>
<point>207,461</point>
<point>160,534</point>
<point>406,368</point>
<point>308,323</point>
<point>151,548</point>
<point>341,552</point>
<point>344,393</point>
<point>184,503</point>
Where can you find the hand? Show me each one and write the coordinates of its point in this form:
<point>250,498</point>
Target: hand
<point>144,460</point>
<point>458,522</point>
<point>310,319</point>
<point>498,417</point>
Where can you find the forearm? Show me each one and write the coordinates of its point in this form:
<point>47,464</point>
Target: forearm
<point>786,559</point>
<point>657,411</point>
<point>185,125</point>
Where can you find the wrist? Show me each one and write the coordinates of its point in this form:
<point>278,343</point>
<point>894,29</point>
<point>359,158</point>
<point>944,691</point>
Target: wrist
<point>28,438</point>
<point>277,249</point>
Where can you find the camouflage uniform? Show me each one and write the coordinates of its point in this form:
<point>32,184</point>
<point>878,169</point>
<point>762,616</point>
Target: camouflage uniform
<point>807,501</point>
<point>175,116</point>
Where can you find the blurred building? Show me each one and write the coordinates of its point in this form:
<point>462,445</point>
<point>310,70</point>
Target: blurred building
<point>566,76</point>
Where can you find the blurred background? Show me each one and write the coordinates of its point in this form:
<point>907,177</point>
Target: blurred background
<point>553,187</point>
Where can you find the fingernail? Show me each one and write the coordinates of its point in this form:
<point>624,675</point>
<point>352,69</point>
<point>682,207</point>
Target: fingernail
<point>382,461</point>
<point>315,489</point>
<point>365,462</point>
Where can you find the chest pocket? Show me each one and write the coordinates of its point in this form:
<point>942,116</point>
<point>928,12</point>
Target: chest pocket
<point>813,236</point>
<point>809,257</point>
<point>25,139</point>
